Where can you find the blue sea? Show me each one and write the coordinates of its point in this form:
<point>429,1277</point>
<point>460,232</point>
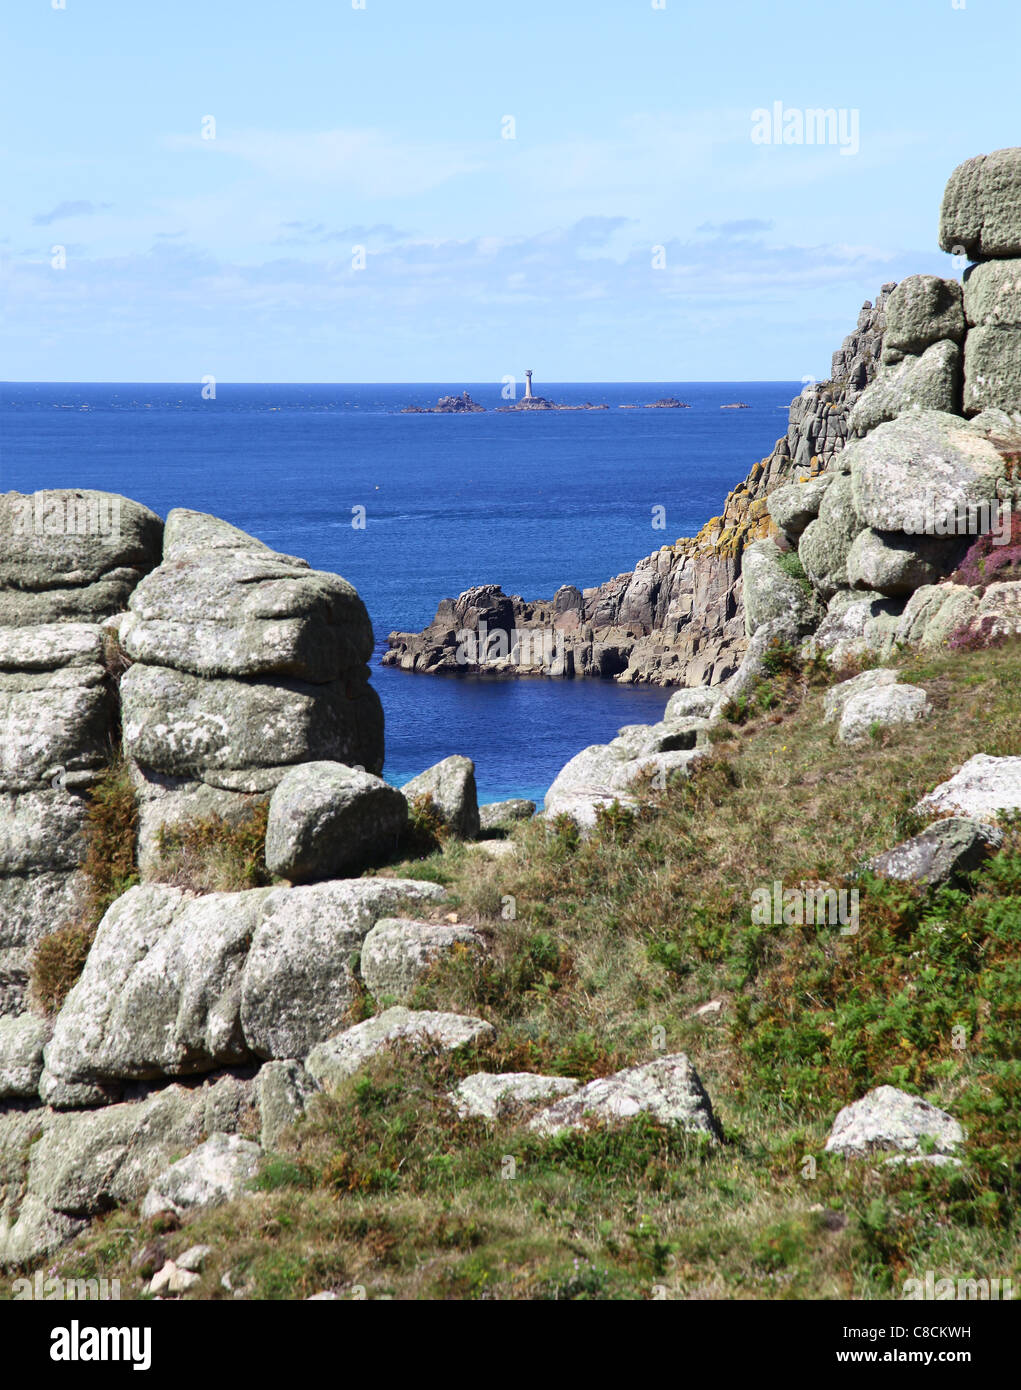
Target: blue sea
<point>528,501</point>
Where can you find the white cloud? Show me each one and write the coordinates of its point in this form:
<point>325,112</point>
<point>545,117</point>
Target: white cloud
<point>365,163</point>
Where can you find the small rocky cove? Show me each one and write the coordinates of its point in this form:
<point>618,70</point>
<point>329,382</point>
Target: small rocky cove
<point>207,685</point>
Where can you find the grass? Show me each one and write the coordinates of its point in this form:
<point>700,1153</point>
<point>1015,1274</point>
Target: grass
<point>601,950</point>
<point>111,834</point>
<point>211,854</point>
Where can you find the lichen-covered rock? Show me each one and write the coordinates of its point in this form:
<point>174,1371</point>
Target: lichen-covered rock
<point>169,803</point>
<point>931,381</point>
<point>693,704</point>
<point>668,736</point>
<point>398,952</point>
<point>216,1172</point>
<point>836,698</point>
<point>827,541</point>
<point>283,1091</point>
<point>247,612</point>
<point>794,505</point>
<point>176,985</point>
<point>326,819</point>
<point>72,555</point>
<point>603,774</point>
<point>427,1031</point>
<point>981,789</point>
<point>668,1089</point>
<point>82,1164</point>
<point>921,473</point>
<point>992,373</point>
<point>883,707</point>
<point>56,707</point>
<point>940,854</point>
<point>161,990</point>
<point>992,295</point>
<point>981,212</point>
<point>855,626</point>
<point>244,734</point>
<point>298,981</point>
<point>497,1095</point>
<point>933,613</point>
<point>450,786</point>
<point>246,662</point>
<point>497,813</point>
<point>772,594</point>
<point>22,1039</point>
<point>893,564</point>
<point>921,311</point>
<point>888,1118</point>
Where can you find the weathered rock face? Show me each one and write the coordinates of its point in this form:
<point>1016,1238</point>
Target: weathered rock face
<point>176,984</point>
<point>881,707</point>
<point>940,854</point>
<point>922,473</point>
<point>72,555</point>
<point>58,715</point>
<point>216,1172</point>
<point>921,311</point>
<point>246,662</point>
<point>669,1090</point>
<point>498,1095</point>
<point>889,1119</point>
<point>450,787</point>
<point>341,1056</point>
<point>772,594</point>
<point>326,819</point>
<point>981,789</point>
<point>57,1171</point>
<point>981,212</point>
<point>21,1055</point>
<point>603,774</point>
<point>497,813</point>
<point>397,953</point>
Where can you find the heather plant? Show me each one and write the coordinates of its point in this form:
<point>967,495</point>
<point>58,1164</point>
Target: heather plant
<point>990,562</point>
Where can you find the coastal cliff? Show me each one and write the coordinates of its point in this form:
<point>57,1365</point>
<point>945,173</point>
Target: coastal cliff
<point>678,617</point>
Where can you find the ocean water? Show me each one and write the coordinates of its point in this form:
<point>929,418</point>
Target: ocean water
<point>528,501</point>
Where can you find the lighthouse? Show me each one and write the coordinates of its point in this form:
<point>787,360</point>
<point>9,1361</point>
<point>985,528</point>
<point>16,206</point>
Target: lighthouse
<point>528,384</point>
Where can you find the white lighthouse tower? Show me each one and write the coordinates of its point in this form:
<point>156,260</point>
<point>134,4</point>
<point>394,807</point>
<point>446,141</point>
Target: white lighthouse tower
<point>528,385</point>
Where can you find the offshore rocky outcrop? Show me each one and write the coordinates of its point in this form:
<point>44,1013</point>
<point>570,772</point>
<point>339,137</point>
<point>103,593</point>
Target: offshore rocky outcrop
<point>678,617</point>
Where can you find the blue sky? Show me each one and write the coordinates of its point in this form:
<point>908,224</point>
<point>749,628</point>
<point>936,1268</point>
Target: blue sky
<point>382,127</point>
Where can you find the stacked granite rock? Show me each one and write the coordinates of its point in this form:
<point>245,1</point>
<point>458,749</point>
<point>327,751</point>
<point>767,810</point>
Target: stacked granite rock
<point>981,219</point>
<point>68,561</point>
<point>933,462</point>
<point>244,662</point>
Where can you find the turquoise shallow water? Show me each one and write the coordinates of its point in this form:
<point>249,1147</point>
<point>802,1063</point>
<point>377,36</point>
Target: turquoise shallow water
<point>527,501</point>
